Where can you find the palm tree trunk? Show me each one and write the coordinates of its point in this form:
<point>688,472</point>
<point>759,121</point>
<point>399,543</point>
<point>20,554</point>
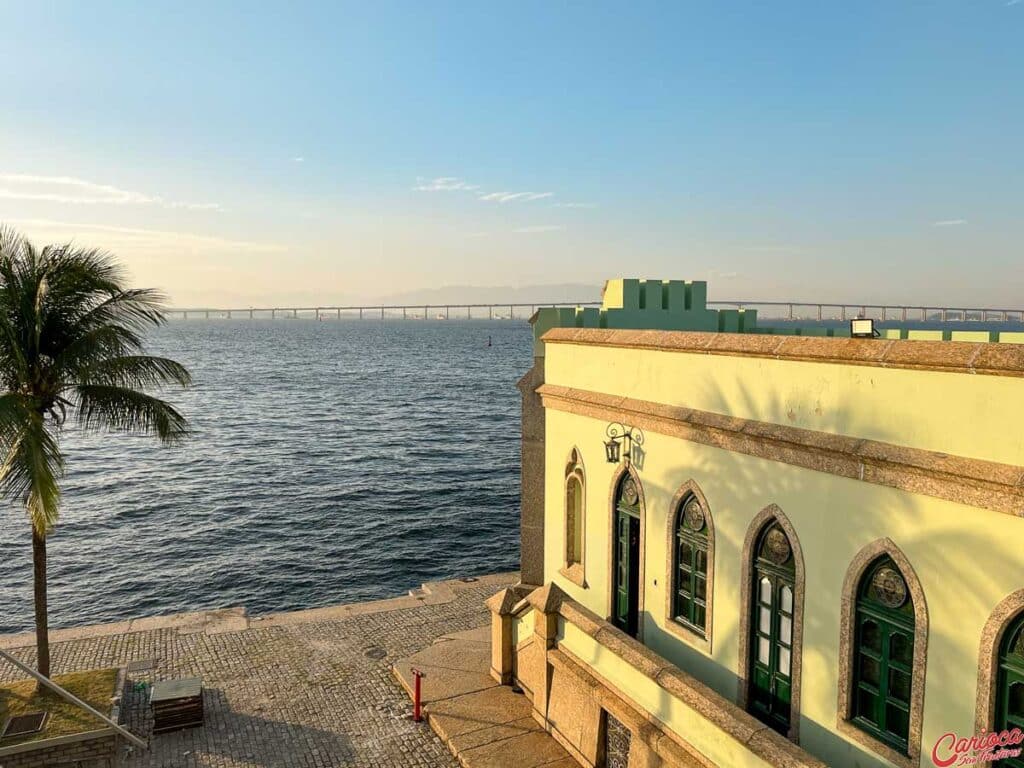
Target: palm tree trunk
<point>39,586</point>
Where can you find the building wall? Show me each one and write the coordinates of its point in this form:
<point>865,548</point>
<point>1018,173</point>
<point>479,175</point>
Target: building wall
<point>934,410</point>
<point>967,559</point>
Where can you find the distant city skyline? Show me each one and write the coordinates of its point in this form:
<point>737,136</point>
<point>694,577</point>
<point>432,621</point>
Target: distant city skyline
<point>322,153</point>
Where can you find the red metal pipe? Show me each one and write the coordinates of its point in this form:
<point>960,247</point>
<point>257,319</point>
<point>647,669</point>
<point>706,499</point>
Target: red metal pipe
<point>416,698</point>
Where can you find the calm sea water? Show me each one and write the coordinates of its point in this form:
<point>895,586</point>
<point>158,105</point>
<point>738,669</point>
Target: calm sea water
<point>331,462</point>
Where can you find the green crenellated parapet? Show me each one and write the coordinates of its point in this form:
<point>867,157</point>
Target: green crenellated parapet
<point>921,334</point>
<point>681,305</point>
<point>632,303</point>
<point>974,335</point>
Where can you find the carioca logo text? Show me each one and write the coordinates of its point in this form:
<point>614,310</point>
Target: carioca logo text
<point>986,747</point>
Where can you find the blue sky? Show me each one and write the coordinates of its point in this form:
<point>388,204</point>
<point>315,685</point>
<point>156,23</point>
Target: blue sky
<point>868,151</point>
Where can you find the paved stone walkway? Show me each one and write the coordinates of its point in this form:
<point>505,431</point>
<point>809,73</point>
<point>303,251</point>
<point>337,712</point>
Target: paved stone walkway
<point>311,689</point>
<point>486,725</point>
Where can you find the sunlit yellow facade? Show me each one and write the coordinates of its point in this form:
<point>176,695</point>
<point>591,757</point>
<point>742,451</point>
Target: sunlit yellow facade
<point>911,452</point>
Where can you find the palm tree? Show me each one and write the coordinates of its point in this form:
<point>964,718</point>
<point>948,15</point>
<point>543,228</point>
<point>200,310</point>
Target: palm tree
<point>70,347</point>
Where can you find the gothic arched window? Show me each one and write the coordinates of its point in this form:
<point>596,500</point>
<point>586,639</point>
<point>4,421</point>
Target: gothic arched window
<point>690,564</point>
<point>883,654</point>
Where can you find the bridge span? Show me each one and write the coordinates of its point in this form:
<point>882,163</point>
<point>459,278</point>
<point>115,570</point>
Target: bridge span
<point>513,311</point>
<point>774,310</point>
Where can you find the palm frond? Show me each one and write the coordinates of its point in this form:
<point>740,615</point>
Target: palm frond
<point>32,466</point>
<point>71,336</point>
<point>135,308</point>
<point>95,345</point>
<point>14,410</point>
<point>121,409</point>
<point>137,371</point>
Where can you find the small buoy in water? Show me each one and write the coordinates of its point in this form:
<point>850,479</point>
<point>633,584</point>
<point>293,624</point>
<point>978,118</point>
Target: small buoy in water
<point>488,341</point>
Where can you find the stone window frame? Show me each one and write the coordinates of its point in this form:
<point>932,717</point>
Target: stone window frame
<point>574,570</point>
<point>684,631</point>
<point>863,560</point>
<point>772,514</point>
<point>1004,614</point>
<point>617,476</point>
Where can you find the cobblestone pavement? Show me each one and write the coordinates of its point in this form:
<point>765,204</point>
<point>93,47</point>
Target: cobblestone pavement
<point>302,691</point>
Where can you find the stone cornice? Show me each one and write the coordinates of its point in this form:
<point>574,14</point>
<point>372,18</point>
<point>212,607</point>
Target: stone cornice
<point>993,359</point>
<point>975,482</point>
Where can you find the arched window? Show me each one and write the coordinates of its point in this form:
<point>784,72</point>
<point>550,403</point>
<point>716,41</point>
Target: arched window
<point>772,628</point>
<point>575,517</point>
<point>627,553</point>
<point>883,654</point>
<point>690,565</point>
<point>1009,703</point>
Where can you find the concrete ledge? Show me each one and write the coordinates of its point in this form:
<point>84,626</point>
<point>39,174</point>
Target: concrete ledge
<point>237,619</point>
<point>986,358</point>
<point>484,724</point>
<point>97,744</point>
<point>41,745</point>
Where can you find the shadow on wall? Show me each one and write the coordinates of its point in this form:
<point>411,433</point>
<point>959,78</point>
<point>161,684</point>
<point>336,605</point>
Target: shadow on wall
<point>834,519</point>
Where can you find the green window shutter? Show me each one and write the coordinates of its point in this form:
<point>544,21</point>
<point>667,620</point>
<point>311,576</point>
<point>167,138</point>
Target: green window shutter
<point>883,655</point>
<point>690,566</point>
<point>1010,685</point>
<point>772,629</point>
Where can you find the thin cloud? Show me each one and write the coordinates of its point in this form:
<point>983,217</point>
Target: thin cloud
<point>574,205</point>
<point>134,237</point>
<point>538,228</point>
<point>949,223</point>
<point>507,197</point>
<point>444,184</point>
<point>299,159</point>
<point>194,206</point>
<point>73,191</point>
<point>1013,2</point>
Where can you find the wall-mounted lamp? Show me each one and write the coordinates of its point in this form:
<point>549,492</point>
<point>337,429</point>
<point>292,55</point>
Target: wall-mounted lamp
<point>619,435</point>
<point>863,328</point>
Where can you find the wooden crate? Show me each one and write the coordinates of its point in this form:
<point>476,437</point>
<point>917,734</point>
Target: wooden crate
<point>177,704</point>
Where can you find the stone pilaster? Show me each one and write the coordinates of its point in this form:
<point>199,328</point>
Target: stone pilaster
<point>500,606</point>
<point>545,602</point>
<point>531,497</point>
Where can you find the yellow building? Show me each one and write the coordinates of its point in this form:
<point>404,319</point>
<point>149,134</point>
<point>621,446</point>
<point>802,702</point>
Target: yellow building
<point>743,548</point>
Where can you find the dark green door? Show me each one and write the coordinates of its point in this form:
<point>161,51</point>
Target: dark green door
<point>771,632</point>
<point>627,572</point>
<point>1010,687</point>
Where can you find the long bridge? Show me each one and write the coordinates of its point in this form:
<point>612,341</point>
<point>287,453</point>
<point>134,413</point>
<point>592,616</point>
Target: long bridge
<point>775,310</point>
<point>384,311</point>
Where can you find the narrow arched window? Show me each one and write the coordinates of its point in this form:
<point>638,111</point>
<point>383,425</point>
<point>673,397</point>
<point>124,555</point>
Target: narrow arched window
<point>772,628</point>
<point>1009,709</point>
<point>575,495</point>
<point>883,654</point>
<point>690,565</point>
<point>573,520</point>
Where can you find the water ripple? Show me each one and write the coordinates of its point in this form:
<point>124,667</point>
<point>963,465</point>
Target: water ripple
<point>331,462</point>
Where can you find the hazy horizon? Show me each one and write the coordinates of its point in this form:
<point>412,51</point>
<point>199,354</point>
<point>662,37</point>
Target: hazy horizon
<point>323,153</point>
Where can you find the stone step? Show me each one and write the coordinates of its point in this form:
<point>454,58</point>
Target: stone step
<point>484,724</point>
